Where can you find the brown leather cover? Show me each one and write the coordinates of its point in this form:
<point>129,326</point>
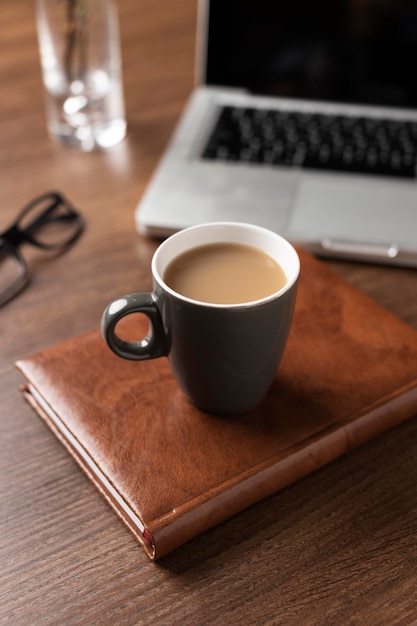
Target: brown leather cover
<point>349,372</point>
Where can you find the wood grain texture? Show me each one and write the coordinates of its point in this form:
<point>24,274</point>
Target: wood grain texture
<point>338,547</point>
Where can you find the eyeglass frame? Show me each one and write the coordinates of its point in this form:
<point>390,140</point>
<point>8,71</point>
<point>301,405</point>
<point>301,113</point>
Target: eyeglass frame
<point>14,236</point>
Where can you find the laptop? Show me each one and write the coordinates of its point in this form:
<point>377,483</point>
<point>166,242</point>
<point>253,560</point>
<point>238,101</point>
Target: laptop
<point>303,120</point>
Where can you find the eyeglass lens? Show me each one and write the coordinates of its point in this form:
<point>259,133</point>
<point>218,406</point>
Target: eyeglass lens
<point>50,222</point>
<point>13,273</point>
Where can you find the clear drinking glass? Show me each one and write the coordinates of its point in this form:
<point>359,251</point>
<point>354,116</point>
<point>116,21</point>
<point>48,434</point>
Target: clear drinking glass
<point>81,68</point>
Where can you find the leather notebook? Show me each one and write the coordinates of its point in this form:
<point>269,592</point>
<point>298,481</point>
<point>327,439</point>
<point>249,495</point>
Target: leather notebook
<point>169,471</point>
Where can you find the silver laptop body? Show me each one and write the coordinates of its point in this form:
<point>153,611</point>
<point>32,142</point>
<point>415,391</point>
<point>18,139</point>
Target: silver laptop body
<point>343,214</point>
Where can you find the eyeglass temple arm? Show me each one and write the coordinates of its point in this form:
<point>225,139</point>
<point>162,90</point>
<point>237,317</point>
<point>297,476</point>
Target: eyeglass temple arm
<point>12,235</point>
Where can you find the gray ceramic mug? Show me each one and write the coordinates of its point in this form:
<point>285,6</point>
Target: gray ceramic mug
<point>223,356</point>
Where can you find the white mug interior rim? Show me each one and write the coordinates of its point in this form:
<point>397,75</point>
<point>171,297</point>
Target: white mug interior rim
<point>227,232</point>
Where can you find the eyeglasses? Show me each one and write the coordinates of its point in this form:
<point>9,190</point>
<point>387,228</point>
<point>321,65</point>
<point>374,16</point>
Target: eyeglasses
<point>49,222</point>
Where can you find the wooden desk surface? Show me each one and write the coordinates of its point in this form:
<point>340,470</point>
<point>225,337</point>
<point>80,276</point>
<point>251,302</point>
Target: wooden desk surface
<point>338,547</point>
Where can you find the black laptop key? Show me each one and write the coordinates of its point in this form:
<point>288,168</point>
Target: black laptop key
<point>326,142</point>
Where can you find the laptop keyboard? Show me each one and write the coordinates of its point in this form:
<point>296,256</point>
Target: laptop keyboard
<point>316,141</point>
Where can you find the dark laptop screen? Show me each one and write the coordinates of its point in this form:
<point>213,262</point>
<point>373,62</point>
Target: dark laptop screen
<point>354,51</point>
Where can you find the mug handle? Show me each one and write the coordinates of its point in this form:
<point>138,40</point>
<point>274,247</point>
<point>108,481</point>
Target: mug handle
<point>152,346</point>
